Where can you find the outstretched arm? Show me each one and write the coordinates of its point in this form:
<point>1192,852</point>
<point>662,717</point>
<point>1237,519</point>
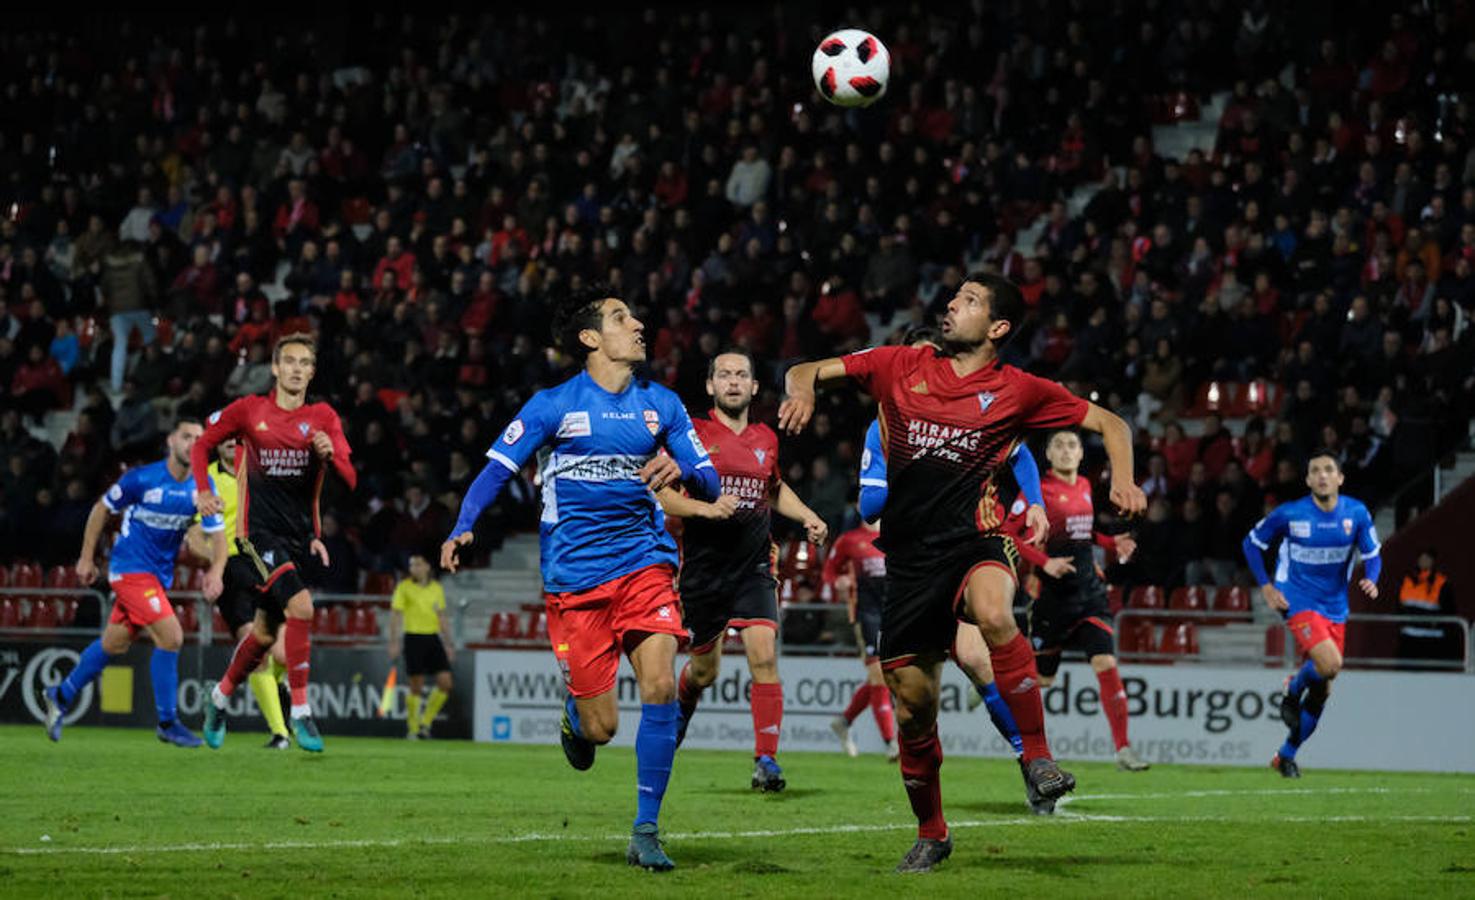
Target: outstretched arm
<point>1125,494</point>
<point>787,504</point>
<point>799,386</point>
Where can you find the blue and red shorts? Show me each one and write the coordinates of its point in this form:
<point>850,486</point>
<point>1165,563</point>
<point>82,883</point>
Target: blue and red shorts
<point>139,601</point>
<point>588,629</point>
<point>1310,628</point>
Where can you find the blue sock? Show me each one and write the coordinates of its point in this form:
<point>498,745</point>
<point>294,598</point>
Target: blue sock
<point>164,671</point>
<point>655,751</point>
<point>572,709</point>
<point>1304,678</point>
<point>1003,719</point>
<point>94,660</point>
<point>1310,715</point>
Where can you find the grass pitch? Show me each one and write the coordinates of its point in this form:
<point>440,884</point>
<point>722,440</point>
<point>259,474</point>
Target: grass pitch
<point>115,813</point>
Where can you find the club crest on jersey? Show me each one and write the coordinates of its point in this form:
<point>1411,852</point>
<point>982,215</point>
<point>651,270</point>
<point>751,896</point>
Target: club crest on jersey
<point>985,400</point>
<point>1347,526</point>
<point>261,426</point>
<point>513,432</point>
<point>761,454</point>
<point>303,428</point>
<point>652,421</point>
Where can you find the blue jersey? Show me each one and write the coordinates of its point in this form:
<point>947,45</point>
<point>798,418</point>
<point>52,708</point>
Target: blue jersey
<point>157,511</point>
<point>1314,564</point>
<point>599,521</point>
<point>873,474</point>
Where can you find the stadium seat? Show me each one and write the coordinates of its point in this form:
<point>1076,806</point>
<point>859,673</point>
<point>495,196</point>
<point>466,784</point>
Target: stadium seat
<point>502,627</point>
<point>1114,598</point>
<point>379,584</point>
<point>9,613</point>
<point>1180,639</point>
<point>62,578</point>
<point>189,618</point>
<point>1135,635</point>
<point>26,575</point>
<point>362,622</point>
<point>44,614</point>
<point>1231,600</point>
<point>1275,646</point>
<point>1145,596</point>
<point>1188,599</point>
<point>537,627</point>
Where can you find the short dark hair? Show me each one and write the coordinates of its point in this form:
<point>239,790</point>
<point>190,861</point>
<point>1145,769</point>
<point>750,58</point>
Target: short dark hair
<point>732,351</point>
<point>1328,452</point>
<point>918,333</point>
<point>1006,303</point>
<point>577,310</point>
<point>189,419</point>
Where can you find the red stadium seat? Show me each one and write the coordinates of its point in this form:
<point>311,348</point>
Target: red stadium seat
<point>1145,596</point>
<point>1180,639</point>
<point>1134,636</point>
<point>9,613</point>
<point>26,575</point>
<point>1275,646</point>
<point>362,622</point>
<point>44,614</point>
<point>1188,599</point>
<point>1231,600</point>
<point>538,627</point>
<point>1114,598</point>
<point>189,618</point>
<point>502,627</point>
<point>62,578</point>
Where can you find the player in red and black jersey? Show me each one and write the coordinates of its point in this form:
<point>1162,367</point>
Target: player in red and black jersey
<point>286,447</point>
<point>1072,610</point>
<point>727,556</point>
<point>949,420</point>
<point>856,570</point>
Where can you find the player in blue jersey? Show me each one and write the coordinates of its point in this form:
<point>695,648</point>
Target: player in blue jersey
<point>608,562</point>
<point>1318,535</point>
<point>157,505</point>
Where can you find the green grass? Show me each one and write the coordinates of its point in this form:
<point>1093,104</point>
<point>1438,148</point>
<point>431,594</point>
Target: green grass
<point>380,817</point>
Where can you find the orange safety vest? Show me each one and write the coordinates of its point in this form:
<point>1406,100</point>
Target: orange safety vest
<point>1420,594</point>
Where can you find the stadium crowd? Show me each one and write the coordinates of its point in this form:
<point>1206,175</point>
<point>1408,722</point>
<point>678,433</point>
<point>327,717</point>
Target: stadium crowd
<point>414,191</point>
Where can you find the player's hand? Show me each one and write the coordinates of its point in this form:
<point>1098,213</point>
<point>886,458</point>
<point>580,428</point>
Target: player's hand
<point>722,508</point>
<point>1060,566</point>
<point>322,445</point>
<point>207,503</point>
<point>794,413</point>
<point>393,652</point>
<point>450,651</point>
<point>816,530</point>
<point>1275,599</point>
<point>661,472</point>
<point>1369,587</point>
<point>1126,545</point>
<point>449,549</point>
<point>1128,498</point>
<point>1038,524</point>
<point>86,570</point>
<point>320,550</point>
<point>213,586</point>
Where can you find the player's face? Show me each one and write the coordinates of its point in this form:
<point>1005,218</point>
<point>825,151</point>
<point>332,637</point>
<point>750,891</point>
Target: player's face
<point>1064,452</point>
<point>227,450</point>
<point>182,441</point>
<point>294,368</point>
<point>732,383</point>
<point>969,320</point>
<point>621,335</point>
<point>1324,477</point>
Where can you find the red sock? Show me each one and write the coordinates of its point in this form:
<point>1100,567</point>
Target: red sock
<point>881,709</point>
<point>1114,704</point>
<point>859,702</point>
<point>687,693</point>
<point>1019,683</point>
<point>768,718</point>
<point>921,759</point>
<point>298,643</point>
<point>242,663</point>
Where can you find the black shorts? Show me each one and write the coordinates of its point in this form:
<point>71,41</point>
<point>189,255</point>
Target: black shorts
<point>237,603</point>
<point>924,592</point>
<point>425,654</point>
<point>749,600</point>
<point>274,561</point>
<point>870,599</point>
<point>1070,614</point>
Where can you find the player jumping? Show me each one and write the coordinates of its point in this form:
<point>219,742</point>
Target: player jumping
<point>1072,611</point>
<point>287,447</point>
<point>156,505</point>
<point>727,562</point>
<point>1318,534</point>
<point>949,420</point>
<point>608,563</point>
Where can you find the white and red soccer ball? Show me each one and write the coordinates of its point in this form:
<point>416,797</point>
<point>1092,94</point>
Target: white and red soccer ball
<point>851,68</point>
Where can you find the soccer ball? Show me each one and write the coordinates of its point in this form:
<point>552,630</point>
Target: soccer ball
<point>851,68</point>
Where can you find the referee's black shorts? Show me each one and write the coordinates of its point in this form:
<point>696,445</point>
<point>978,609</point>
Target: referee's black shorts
<point>425,654</point>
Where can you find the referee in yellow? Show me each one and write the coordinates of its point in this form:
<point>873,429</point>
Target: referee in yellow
<point>419,614</point>
<point>237,603</point>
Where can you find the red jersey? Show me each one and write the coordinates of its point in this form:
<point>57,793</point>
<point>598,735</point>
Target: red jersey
<point>947,437</point>
<point>281,477</point>
<point>747,464</point>
<point>1072,515</point>
<point>855,552</point>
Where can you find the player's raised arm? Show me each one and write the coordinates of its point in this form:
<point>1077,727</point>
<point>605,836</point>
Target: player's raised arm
<point>698,474</point>
<point>523,436</point>
<point>1125,494</point>
<point>1027,475</point>
<point>787,504</point>
<point>799,385</point>
<point>221,425</point>
<point>340,455</point>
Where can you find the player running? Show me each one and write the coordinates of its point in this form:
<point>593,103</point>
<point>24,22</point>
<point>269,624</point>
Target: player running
<point>1072,611</point>
<point>727,562</point>
<point>237,600</point>
<point>949,420</point>
<point>608,562</point>
<point>1318,534</point>
<point>156,505</point>
<point>287,447</point>
<point>418,611</point>
<point>856,571</point>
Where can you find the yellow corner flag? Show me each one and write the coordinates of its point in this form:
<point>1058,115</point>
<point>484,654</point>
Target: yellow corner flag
<point>386,700</point>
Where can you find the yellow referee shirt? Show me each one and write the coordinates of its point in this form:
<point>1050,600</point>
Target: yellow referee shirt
<point>420,605</point>
<point>229,491</point>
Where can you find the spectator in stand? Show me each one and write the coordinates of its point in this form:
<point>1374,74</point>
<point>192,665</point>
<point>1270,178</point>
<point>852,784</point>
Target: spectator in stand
<point>128,286</point>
